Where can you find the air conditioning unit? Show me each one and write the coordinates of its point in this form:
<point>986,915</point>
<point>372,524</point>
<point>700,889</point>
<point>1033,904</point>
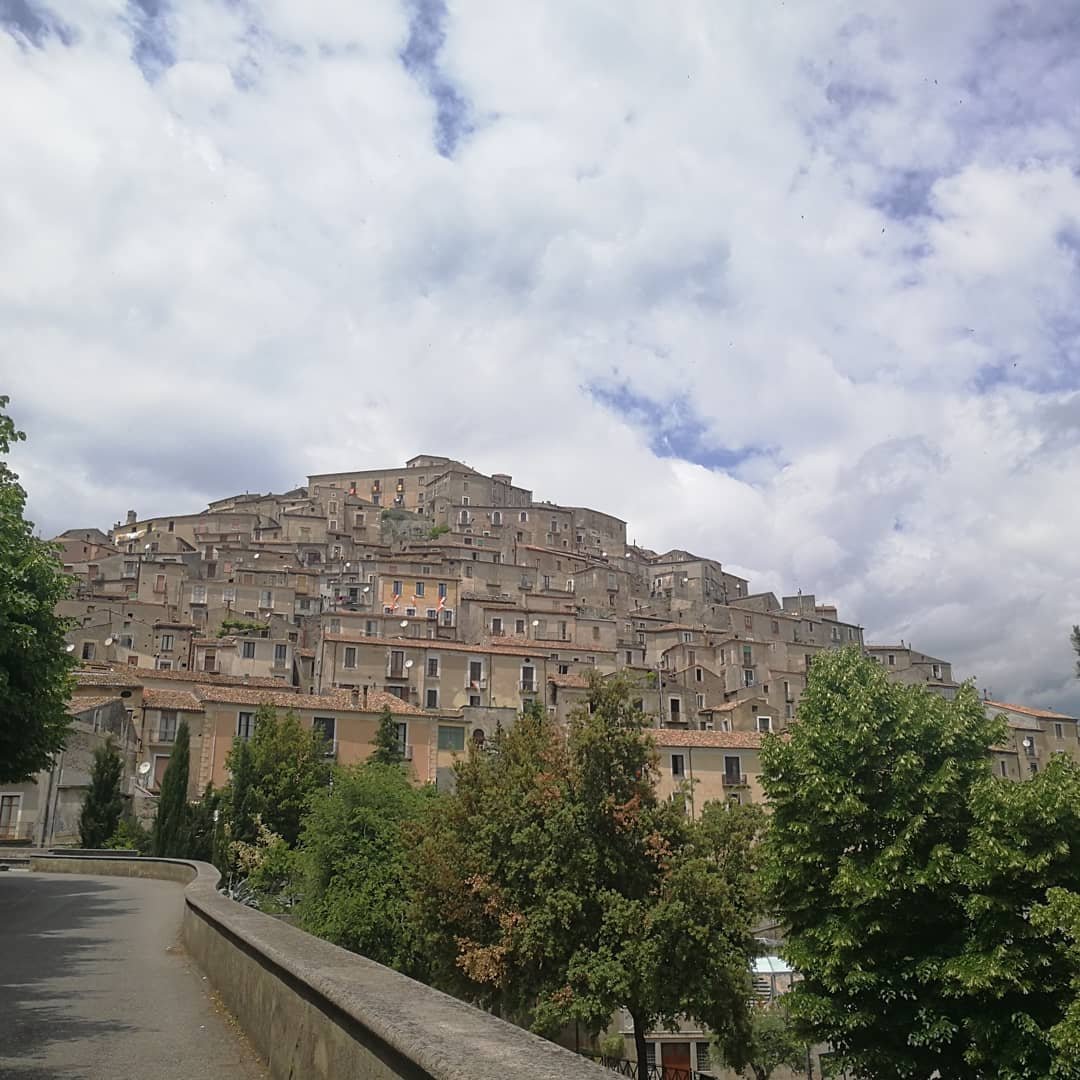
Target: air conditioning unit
<point>408,753</point>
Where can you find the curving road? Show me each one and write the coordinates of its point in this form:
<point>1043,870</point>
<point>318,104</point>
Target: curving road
<point>95,986</point>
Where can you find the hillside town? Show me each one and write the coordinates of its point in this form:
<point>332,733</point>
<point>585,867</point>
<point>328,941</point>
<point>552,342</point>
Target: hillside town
<point>452,598</point>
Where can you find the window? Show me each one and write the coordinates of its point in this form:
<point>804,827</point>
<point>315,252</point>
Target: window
<point>350,656</point>
<point>266,598</point>
<point>687,636</point>
<point>892,660</point>
<point>774,626</point>
<point>419,589</point>
<point>402,735</point>
<point>675,709</point>
<point>528,678</point>
<point>732,770</point>
<point>747,656</point>
<point>248,650</point>
<point>451,738</point>
<point>166,642</point>
<point>496,517</point>
<point>851,635</point>
<point>433,667</point>
<point>327,727</point>
<point>397,588</point>
<point>210,660</point>
<point>700,698</point>
<point>748,676</point>
<point>703,1061</point>
<point>465,502</point>
<point>88,650</point>
<point>447,617</point>
<point>699,675</point>
<point>161,763</point>
<point>523,516</point>
<point>198,594</point>
<point>442,590</point>
<point>9,816</point>
<point>166,725</point>
<point>748,622</point>
<point>678,765</point>
<point>303,605</point>
<point>835,633</point>
<point>596,633</point>
<point>1004,768</point>
<point>280,654</point>
<point>245,725</point>
<point>161,665</point>
<point>474,700</point>
<point>228,596</point>
<point>764,723</point>
<point>431,613</point>
<point>431,697</point>
<point>159,583</point>
<point>1059,731</point>
<point>519,626</point>
<point>476,671</point>
<point>497,627</point>
<point>547,581</point>
<point>172,526</point>
<point>564,669</point>
<point>937,671</point>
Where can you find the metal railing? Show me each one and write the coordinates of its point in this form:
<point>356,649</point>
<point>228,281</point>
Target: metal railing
<point>625,1067</point>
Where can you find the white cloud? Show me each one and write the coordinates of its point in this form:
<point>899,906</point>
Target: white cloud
<point>839,236</point>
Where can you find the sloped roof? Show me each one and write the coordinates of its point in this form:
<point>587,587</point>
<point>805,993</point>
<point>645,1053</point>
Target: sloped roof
<point>1028,710</point>
<point>106,678</point>
<point>179,700</point>
<point>569,682</point>
<point>332,701</point>
<point>87,704</point>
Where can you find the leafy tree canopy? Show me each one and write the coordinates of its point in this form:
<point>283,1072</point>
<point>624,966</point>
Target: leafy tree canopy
<point>35,667</point>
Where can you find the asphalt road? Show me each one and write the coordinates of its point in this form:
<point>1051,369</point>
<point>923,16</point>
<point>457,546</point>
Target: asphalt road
<point>95,986</point>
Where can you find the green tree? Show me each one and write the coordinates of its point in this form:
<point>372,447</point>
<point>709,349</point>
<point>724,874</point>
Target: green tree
<point>204,826</point>
<point>352,862</point>
<point>388,749</point>
<point>1016,974</point>
<point>774,1042</point>
<point>35,668</point>
<point>274,775</point>
<point>872,801</point>
<point>103,806</point>
<point>172,825</point>
<point>553,885</point>
<point>238,802</point>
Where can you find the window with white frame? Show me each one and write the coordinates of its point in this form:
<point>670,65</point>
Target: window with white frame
<point>764,723</point>
<point>350,656</point>
<point>245,725</point>
<point>248,650</point>
<point>280,654</point>
<point>431,697</point>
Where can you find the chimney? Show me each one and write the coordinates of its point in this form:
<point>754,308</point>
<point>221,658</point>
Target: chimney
<point>131,517</point>
<point>355,695</point>
<point>365,697</point>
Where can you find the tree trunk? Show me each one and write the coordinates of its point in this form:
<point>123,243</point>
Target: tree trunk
<point>640,1045</point>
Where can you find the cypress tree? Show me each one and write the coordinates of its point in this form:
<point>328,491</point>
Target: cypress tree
<point>388,750</point>
<point>172,826</point>
<point>104,802</point>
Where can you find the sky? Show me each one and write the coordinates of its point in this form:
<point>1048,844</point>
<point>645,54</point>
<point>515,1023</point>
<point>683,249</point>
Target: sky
<point>793,286</point>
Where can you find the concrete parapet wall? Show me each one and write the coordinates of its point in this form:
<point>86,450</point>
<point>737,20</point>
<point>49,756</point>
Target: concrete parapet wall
<point>316,1011</point>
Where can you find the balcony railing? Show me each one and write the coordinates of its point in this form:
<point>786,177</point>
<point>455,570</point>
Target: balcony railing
<point>528,686</point>
<point>734,780</point>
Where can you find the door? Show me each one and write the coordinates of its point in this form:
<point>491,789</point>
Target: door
<point>675,1061</point>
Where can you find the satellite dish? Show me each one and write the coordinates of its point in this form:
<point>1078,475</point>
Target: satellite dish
<point>404,624</point>
<point>144,768</point>
<point>408,663</point>
<point>108,641</point>
<point>256,555</point>
<point>536,622</point>
<point>365,589</point>
<point>69,648</point>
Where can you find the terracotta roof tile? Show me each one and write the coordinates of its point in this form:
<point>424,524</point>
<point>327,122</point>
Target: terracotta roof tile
<point>333,701</point>
<point>90,702</point>
<point>725,740</point>
<point>106,678</point>
<point>180,700</point>
<point>1027,710</point>
<point>569,682</point>
<point>210,678</point>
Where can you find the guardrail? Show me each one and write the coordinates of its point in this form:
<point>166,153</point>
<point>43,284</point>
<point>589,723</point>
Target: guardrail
<point>314,1010</point>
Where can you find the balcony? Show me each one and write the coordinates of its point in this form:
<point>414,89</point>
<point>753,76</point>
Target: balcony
<point>528,686</point>
<point>735,780</point>
<point>395,671</point>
